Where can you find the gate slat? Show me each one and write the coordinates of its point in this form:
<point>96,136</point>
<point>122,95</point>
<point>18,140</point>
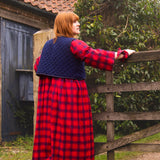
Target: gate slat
<point>144,56</point>
<point>110,88</point>
<point>132,137</point>
<point>119,116</point>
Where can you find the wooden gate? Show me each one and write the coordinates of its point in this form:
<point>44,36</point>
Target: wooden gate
<point>125,143</point>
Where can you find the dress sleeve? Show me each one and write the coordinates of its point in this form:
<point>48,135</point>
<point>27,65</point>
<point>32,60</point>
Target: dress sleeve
<point>97,58</point>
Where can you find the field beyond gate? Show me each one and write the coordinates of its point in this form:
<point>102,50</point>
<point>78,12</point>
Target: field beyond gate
<point>125,143</point>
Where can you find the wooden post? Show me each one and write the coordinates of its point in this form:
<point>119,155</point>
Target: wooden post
<point>0,94</point>
<point>39,38</point>
<point>110,108</point>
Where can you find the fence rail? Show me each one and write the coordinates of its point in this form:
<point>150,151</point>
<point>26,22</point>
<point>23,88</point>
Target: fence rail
<point>111,88</point>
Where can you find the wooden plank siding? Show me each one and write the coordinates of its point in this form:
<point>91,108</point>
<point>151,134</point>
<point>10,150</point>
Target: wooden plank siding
<point>16,53</point>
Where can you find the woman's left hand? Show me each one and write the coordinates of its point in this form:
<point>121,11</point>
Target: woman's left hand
<point>123,54</point>
<point>130,51</point>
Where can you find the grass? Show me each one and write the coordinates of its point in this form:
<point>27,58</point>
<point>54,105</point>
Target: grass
<point>118,156</point>
<point>21,148</point>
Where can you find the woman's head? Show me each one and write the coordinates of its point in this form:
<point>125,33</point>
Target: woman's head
<point>63,25</point>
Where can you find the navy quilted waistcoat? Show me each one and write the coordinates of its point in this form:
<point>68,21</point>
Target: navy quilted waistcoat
<point>58,61</point>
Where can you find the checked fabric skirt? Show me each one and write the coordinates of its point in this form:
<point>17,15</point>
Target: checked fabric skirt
<point>64,128</point>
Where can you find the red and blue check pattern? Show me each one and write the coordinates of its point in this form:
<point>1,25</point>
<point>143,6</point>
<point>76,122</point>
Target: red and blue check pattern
<point>64,129</point>
<point>97,58</point>
<point>64,121</point>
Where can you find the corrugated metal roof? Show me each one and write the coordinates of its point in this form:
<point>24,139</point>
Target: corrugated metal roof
<point>53,6</point>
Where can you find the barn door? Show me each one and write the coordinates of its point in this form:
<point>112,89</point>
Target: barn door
<point>16,71</point>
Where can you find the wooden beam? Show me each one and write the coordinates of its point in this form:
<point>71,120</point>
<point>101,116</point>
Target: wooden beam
<point>23,19</point>
<point>110,88</point>
<point>132,147</point>
<point>99,147</point>
<point>1,90</point>
<point>110,108</point>
<point>119,116</point>
<point>144,56</point>
<point>24,70</point>
<point>129,138</point>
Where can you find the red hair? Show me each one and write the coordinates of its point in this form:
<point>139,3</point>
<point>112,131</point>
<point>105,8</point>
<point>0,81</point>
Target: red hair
<point>63,24</point>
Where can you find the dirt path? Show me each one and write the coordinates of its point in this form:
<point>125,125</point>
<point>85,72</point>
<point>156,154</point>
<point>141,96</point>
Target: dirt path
<point>148,156</point>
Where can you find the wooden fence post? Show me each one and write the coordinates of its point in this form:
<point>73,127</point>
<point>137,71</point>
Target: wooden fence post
<point>0,95</point>
<point>39,38</point>
<point>110,109</point>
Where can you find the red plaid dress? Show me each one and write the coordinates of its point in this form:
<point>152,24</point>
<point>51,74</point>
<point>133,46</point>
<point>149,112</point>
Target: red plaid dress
<point>64,128</point>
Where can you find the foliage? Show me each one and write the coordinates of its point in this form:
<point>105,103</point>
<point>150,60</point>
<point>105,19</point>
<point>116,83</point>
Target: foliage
<point>135,25</point>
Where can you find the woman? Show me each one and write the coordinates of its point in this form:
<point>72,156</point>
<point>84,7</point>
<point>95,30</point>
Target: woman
<point>64,128</point>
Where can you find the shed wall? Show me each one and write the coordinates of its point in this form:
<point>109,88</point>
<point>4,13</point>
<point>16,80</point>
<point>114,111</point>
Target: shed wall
<point>16,53</point>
